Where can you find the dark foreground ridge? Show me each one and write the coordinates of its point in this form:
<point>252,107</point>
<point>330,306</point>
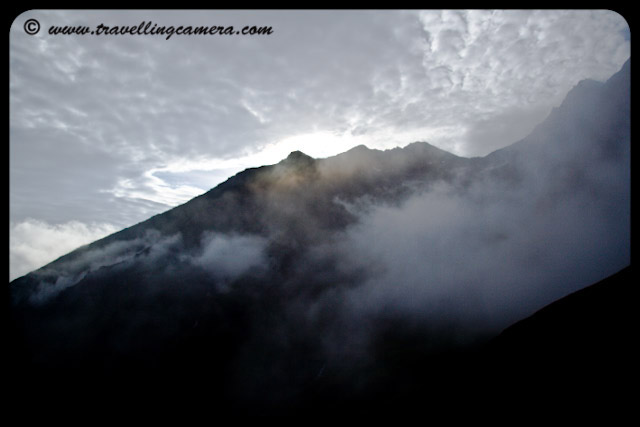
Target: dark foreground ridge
<point>576,352</point>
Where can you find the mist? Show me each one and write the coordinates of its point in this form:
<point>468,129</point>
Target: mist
<point>543,218</point>
<point>478,262</point>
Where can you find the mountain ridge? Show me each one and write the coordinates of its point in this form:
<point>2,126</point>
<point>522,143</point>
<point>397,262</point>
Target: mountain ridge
<point>296,159</point>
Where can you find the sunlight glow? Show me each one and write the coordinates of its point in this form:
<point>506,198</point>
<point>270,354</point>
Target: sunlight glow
<point>317,144</point>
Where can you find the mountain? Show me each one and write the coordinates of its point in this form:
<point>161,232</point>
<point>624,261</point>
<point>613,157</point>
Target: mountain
<point>294,202</point>
<point>574,355</point>
<point>368,280</point>
<point>591,325</point>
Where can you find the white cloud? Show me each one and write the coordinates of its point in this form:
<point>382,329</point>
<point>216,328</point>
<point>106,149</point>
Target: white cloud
<point>34,243</point>
<point>154,189</point>
<point>484,64</point>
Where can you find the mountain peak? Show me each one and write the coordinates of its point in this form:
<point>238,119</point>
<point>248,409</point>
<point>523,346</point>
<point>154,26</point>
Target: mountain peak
<point>297,159</point>
<point>297,156</point>
<point>424,148</point>
<point>360,147</point>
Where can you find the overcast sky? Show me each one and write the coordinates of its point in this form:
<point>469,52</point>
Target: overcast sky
<point>108,130</point>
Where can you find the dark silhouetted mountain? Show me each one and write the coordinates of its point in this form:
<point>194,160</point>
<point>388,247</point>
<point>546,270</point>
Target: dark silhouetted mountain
<point>592,325</point>
<point>574,353</point>
<point>279,291</point>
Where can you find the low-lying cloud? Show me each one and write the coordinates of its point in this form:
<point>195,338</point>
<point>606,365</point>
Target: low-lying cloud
<point>224,258</point>
<point>228,257</point>
<point>34,243</point>
<point>479,263</point>
<point>144,250</point>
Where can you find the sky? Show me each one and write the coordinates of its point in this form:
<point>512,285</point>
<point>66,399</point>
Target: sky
<point>108,130</point>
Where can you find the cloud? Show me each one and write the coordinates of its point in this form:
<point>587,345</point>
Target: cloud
<point>146,252</point>
<point>480,263</point>
<point>224,258</point>
<point>227,257</point>
<point>491,253</point>
<point>33,243</point>
<point>91,114</point>
<point>527,61</point>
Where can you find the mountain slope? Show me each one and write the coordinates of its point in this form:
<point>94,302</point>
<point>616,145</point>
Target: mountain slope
<point>362,278</point>
<point>296,198</point>
<point>578,350</point>
<point>585,325</point>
